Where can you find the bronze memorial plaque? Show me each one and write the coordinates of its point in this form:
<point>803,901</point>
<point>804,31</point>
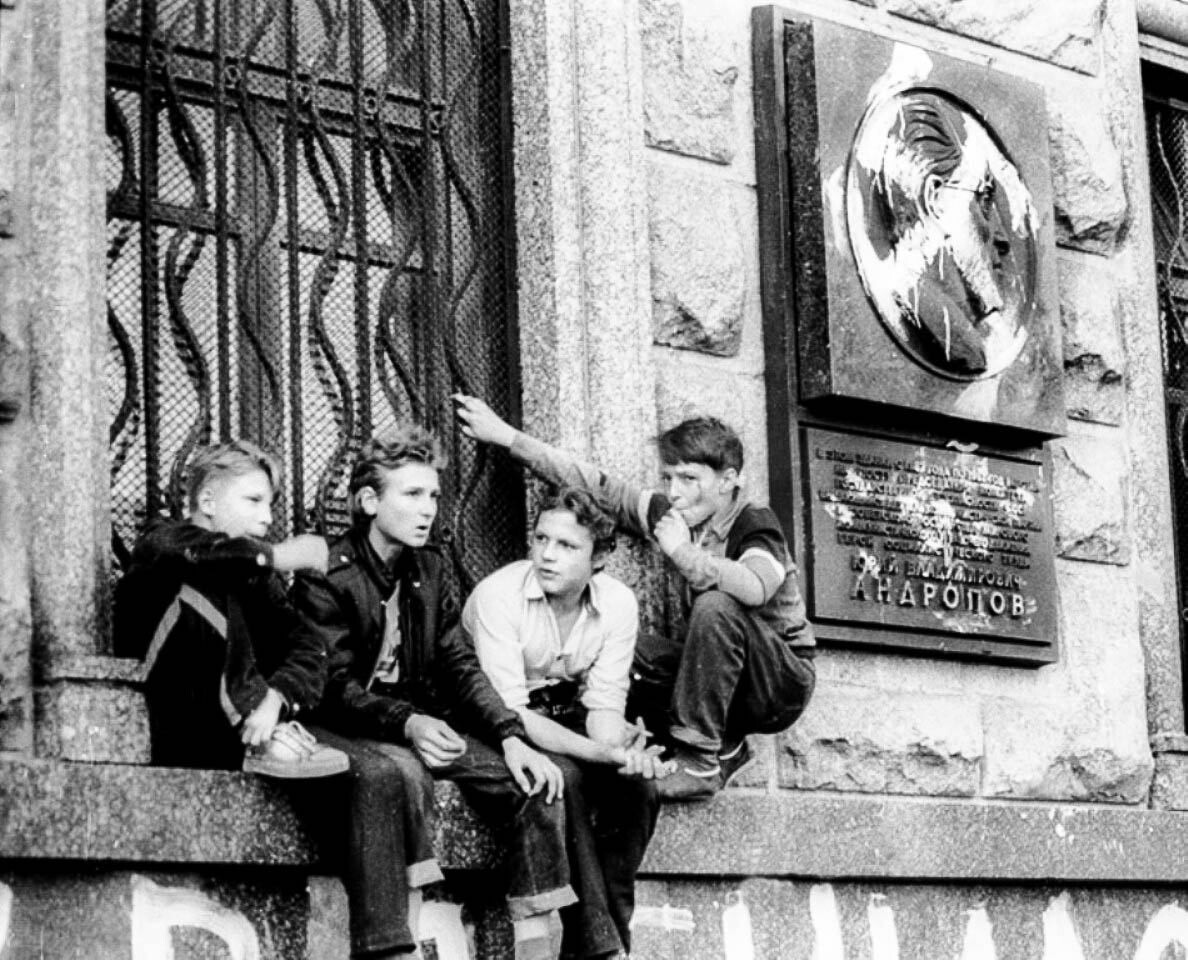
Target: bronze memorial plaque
<point>923,253</point>
<point>905,536</point>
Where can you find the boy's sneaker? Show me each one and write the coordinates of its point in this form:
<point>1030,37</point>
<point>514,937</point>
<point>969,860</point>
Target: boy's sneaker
<point>698,776</point>
<point>294,754</point>
<point>735,758</point>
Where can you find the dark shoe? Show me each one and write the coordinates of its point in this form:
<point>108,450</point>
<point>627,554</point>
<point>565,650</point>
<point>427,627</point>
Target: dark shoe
<point>698,776</point>
<point>294,754</point>
<point>735,759</point>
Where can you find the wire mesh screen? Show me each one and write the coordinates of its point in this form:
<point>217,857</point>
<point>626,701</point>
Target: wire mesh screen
<point>1167,143</point>
<point>308,242</point>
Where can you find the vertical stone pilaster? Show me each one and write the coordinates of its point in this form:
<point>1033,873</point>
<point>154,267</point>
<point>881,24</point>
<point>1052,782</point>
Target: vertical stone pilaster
<point>581,214</point>
<point>585,306</point>
<point>16,682</point>
<point>62,264</point>
<point>1146,428</point>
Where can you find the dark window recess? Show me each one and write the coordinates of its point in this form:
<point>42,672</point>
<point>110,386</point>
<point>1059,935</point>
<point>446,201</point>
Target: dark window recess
<point>309,239</point>
<point>1167,148</point>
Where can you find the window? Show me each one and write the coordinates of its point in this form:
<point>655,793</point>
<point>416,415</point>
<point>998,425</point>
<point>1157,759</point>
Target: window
<point>1167,148</point>
<point>309,238</point>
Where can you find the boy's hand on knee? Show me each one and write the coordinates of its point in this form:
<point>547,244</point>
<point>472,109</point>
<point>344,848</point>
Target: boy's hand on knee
<point>258,725</point>
<point>481,422</point>
<point>306,551</point>
<point>434,740</point>
<point>533,771</point>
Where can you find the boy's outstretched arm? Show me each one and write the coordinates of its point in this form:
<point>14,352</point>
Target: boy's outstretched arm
<point>634,508</point>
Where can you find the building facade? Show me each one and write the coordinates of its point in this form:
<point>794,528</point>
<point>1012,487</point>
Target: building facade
<point>942,796</point>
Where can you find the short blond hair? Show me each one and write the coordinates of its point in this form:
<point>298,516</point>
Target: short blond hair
<point>231,459</point>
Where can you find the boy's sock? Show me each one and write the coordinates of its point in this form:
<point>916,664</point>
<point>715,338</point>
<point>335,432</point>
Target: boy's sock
<point>538,937</point>
<point>416,900</point>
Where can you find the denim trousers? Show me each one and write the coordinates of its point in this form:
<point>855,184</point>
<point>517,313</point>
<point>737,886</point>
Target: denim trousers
<point>610,822</point>
<point>377,826</point>
<point>729,675</point>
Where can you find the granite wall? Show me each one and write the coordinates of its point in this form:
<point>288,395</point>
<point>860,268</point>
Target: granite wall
<point>886,723</point>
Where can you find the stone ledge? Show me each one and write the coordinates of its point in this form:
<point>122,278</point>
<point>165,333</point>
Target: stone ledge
<point>853,837</point>
<point>138,814</point>
<point>131,814</point>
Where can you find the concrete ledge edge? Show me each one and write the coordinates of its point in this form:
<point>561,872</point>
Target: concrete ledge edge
<point>924,839</point>
<point>123,813</point>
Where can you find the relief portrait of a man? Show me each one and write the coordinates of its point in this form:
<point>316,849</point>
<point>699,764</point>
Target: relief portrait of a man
<point>943,231</point>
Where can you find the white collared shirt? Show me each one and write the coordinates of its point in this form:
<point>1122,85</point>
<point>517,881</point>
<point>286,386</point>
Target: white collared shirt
<point>519,643</point>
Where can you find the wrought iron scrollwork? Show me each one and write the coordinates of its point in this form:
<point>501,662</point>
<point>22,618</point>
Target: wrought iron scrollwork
<point>307,210</point>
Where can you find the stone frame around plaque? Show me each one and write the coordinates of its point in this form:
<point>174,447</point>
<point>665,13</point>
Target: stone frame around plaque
<point>886,397</point>
<point>921,262</point>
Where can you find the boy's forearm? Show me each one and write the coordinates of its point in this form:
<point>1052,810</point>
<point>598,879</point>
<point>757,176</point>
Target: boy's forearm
<point>626,501</point>
<point>552,736</point>
<point>704,572</point>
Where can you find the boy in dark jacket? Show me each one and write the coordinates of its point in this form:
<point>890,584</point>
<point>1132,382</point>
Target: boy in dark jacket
<point>228,663</point>
<point>744,662</point>
<point>407,700</point>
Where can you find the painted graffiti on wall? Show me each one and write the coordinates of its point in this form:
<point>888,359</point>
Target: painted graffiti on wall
<point>831,939</point>
<point>5,912</point>
<point>156,910</point>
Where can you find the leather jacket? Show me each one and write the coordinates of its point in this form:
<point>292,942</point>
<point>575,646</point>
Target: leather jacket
<point>439,671</point>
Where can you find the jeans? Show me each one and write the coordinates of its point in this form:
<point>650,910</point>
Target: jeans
<point>533,831</point>
<point>729,676</point>
<point>377,826</point>
<point>611,819</point>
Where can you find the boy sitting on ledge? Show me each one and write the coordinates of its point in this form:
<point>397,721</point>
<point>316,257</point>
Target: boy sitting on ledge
<point>556,635</point>
<point>226,657</point>
<point>743,665</point>
<point>407,700</point>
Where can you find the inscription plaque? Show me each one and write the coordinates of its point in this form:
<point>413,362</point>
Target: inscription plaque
<point>914,537</point>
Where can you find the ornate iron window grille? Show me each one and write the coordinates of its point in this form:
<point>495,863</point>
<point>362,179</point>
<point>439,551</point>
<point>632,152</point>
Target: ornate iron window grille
<point>1167,146</point>
<point>309,239</point>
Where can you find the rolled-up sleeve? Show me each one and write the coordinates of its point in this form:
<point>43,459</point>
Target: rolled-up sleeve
<point>609,674</point>
<point>491,621</point>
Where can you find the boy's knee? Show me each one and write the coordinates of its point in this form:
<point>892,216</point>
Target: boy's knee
<point>571,773</point>
<point>393,776</point>
<point>714,605</point>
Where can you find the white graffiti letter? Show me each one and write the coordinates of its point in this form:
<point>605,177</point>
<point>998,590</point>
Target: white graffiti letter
<point>155,910</point>
<point>979,937</point>
<point>5,912</point>
<point>884,940</point>
<point>442,923</point>
<point>1168,926</point>
<point>737,935</point>
<point>827,932</point>
<point>1061,941</point>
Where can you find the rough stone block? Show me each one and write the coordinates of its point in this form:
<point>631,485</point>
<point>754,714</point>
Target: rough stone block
<point>698,263</point>
<point>16,681</point>
<point>1065,32</point>
<point>686,387</point>
<point>1094,359</point>
<point>93,721</point>
<point>1079,731</point>
<point>1088,497</point>
<point>689,78</point>
<point>1087,174</point>
<point>872,741</point>
<point>1058,751</point>
<point>1169,785</point>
